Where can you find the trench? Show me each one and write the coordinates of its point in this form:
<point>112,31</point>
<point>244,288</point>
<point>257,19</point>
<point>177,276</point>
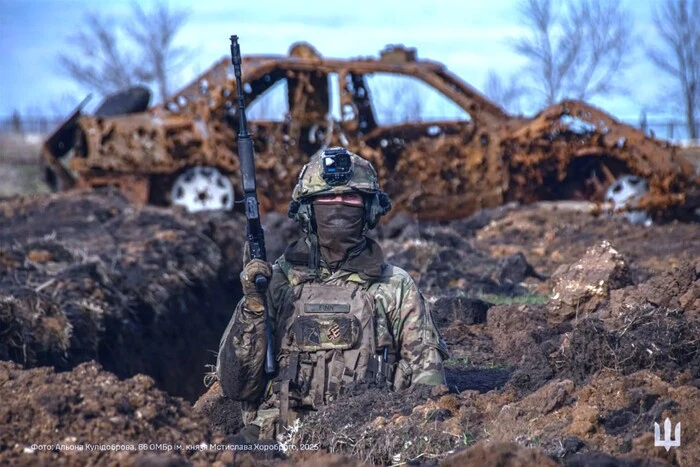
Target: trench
<point>476,379</point>
<point>145,291</point>
<point>161,289</point>
<point>175,350</point>
<point>173,335</point>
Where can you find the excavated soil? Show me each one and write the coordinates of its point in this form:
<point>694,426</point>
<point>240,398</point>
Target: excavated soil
<point>91,278</point>
<point>564,348</point>
<point>49,411</point>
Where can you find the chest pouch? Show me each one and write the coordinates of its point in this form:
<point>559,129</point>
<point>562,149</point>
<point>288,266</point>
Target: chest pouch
<point>328,343</point>
<point>332,317</point>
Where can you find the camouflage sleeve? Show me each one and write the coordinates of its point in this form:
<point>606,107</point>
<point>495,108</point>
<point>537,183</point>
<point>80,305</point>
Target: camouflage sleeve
<point>241,358</point>
<point>418,339</point>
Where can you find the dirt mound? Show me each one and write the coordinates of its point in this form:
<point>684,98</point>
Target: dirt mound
<point>609,419</point>
<point>612,413</point>
<point>499,454</point>
<point>676,289</point>
<point>660,341</point>
<point>652,325</point>
<point>46,416</point>
<point>445,263</point>
<point>222,413</point>
<point>519,337</point>
<point>375,426</point>
<point>89,277</point>
<point>580,288</point>
<point>550,236</point>
<point>150,291</point>
<point>90,417</point>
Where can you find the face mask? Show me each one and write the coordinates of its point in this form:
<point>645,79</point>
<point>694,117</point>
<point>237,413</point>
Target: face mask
<point>340,230</point>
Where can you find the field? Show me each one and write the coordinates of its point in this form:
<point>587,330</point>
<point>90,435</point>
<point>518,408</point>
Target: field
<point>20,170</point>
<point>569,335</point>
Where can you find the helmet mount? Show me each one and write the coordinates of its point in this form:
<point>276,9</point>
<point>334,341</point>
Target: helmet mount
<point>337,166</point>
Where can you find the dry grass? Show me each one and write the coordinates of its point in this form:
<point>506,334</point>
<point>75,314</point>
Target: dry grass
<point>20,169</point>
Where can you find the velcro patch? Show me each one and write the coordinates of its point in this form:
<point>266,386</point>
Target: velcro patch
<point>327,307</point>
<point>325,333</point>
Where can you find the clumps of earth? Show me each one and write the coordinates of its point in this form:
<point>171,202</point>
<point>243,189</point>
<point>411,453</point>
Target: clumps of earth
<point>570,335</point>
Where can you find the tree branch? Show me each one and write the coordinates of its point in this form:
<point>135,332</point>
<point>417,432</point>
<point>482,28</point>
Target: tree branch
<point>576,53</point>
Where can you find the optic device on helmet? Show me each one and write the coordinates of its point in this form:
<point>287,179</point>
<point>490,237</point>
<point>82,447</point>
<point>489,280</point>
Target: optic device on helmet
<point>337,166</point>
<point>336,171</point>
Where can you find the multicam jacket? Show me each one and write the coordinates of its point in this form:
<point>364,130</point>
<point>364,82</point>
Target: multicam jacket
<point>365,321</point>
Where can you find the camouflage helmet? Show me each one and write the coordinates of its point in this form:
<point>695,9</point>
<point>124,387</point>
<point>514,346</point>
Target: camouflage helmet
<point>336,170</point>
<point>314,181</point>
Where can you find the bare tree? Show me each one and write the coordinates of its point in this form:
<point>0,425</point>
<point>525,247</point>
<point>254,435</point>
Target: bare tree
<point>575,50</point>
<point>16,122</point>
<point>678,25</point>
<point>99,61</point>
<point>396,99</point>
<point>156,31</point>
<point>408,102</point>
<point>110,56</point>
<point>507,94</point>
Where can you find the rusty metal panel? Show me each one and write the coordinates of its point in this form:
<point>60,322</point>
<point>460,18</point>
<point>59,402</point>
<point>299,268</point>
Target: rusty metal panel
<point>572,137</point>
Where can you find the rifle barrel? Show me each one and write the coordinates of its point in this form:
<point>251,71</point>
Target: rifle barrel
<point>256,235</point>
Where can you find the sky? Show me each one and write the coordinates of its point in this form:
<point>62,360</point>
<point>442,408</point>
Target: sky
<point>469,37</point>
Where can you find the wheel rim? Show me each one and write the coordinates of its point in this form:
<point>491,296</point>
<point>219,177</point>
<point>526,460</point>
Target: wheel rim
<point>203,189</point>
<point>625,192</point>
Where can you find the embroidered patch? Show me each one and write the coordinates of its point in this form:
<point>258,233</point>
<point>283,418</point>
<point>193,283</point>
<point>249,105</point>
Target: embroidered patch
<point>333,332</point>
<point>325,332</point>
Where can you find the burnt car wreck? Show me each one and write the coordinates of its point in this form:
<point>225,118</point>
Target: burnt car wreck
<point>182,152</point>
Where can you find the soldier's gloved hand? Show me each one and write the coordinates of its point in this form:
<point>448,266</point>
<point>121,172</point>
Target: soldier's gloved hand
<point>253,300</point>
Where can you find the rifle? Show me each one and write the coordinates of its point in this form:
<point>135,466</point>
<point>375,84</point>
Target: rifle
<point>254,230</point>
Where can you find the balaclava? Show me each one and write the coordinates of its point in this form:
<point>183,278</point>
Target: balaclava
<point>340,230</point>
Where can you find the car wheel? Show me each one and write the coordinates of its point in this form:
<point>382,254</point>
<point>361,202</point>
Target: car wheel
<point>202,189</point>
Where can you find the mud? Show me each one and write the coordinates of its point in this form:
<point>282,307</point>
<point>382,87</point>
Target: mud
<point>663,341</point>
<point>374,426</point>
<point>222,413</point>
<point>444,261</point>
<point>553,235</point>
<point>148,290</point>
<point>89,406</point>
<point>91,278</point>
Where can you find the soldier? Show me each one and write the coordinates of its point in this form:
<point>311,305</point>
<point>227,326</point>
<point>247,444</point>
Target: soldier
<point>340,313</point>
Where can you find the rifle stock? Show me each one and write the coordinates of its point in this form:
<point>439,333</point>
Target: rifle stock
<point>255,234</point>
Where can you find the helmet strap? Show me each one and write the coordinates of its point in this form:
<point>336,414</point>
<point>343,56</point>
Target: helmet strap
<point>313,254</point>
<point>368,213</point>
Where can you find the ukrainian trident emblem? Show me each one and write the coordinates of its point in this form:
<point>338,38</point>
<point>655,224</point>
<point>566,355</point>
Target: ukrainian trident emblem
<point>667,442</point>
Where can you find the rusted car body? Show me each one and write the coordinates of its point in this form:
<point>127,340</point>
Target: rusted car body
<point>444,168</point>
